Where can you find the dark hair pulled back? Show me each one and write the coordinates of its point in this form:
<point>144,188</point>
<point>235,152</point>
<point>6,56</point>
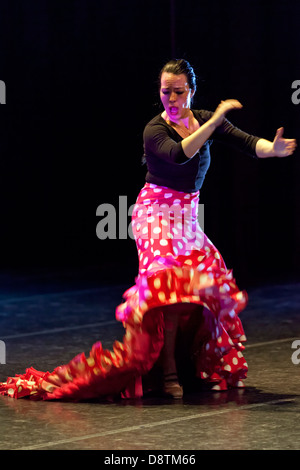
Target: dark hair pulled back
<point>178,67</point>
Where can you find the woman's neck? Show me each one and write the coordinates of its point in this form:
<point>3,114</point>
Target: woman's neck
<point>181,122</point>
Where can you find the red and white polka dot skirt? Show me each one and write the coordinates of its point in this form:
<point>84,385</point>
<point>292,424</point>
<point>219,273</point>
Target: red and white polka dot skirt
<point>178,264</point>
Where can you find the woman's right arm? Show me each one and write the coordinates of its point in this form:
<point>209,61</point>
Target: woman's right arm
<point>192,143</point>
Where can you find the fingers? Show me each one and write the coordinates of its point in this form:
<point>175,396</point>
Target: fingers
<point>291,146</point>
<point>288,145</point>
<point>234,103</point>
<point>279,133</point>
<point>230,104</point>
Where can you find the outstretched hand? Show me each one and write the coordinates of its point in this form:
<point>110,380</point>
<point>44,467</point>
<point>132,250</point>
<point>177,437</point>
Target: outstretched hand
<point>283,147</point>
<point>223,109</point>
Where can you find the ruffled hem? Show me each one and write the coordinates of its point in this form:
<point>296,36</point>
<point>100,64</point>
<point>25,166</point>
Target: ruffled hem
<point>103,374</point>
<point>217,347</point>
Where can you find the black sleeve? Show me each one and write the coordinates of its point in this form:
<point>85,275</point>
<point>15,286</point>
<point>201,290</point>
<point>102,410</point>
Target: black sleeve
<point>158,142</point>
<point>231,135</point>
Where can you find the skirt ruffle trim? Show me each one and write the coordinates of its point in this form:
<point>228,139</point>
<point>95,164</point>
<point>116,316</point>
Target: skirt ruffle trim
<point>217,347</point>
<point>104,373</point>
<point>218,344</point>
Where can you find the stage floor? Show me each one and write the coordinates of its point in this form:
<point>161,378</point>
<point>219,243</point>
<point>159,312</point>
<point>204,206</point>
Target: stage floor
<point>45,322</point>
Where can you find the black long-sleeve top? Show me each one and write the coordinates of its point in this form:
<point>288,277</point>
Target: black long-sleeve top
<point>168,165</point>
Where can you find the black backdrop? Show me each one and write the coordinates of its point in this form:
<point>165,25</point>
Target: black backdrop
<point>81,77</point>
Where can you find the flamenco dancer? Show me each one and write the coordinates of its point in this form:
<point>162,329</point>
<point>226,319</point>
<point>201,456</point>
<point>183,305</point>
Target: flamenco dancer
<point>185,300</point>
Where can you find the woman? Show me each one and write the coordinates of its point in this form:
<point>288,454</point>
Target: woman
<point>184,298</point>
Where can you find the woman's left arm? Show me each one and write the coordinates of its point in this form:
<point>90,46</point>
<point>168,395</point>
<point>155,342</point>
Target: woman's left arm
<point>280,147</point>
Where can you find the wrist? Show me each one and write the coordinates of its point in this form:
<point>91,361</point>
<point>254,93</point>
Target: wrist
<point>265,149</point>
<point>212,124</point>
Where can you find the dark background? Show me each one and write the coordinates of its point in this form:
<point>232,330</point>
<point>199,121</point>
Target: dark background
<point>81,85</point>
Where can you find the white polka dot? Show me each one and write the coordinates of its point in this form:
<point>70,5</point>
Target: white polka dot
<point>156,253</point>
<point>189,262</point>
<point>161,296</point>
<point>168,195</point>
<point>235,361</point>
<point>148,294</point>
<point>157,283</point>
<point>163,242</point>
<point>145,261</point>
<point>216,387</point>
<point>143,305</point>
<point>156,230</point>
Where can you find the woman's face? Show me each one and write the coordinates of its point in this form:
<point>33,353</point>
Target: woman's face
<point>175,95</point>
